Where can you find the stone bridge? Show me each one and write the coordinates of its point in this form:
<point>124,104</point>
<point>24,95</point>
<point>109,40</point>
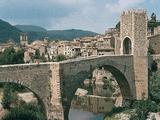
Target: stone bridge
<point>55,83</point>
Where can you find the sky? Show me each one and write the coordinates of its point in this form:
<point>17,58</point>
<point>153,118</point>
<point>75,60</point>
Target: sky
<point>92,15</point>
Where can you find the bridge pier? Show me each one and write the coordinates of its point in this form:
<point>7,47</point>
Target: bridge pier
<point>55,113</point>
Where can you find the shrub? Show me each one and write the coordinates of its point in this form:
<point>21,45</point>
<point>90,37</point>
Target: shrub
<point>7,96</point>
<point>154,87</point>
<point>142,109</point>
<point>25,112</point>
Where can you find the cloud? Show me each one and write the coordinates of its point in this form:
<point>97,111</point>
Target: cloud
<point>72,2</point>
<point>37,12</point>
<point>154,2</point>
<point>121,5</point>
<point>95,15</point>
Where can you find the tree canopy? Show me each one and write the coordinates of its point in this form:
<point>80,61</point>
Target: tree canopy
<point>10,56</point>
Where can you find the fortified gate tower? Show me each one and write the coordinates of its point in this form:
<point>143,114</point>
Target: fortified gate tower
<point>133,37</point>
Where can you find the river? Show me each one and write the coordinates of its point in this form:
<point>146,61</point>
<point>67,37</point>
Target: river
<point>76,114</point>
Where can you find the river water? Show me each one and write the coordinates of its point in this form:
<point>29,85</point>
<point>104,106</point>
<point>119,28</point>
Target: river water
<point>76,114</point>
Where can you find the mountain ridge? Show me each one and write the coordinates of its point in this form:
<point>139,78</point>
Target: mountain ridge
<point>68,34</point>
<point>8,31</point>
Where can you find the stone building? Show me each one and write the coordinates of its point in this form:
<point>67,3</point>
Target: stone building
<point>31,49</point>
<point>154,40</point>
<point>154,43</point>
<point>52,49</point>
<point>105,51</point>
<point>72,51</point>
<point>23,39</point>
<point>133,35</point>
<point>28,54</point>
<point>68,49</point>
<point>157,30</point>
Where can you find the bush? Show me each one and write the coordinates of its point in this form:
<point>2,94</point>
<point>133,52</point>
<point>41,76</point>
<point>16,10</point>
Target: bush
<point>25,112</point>
<point>7,96</point>
<point>142,109</point>
<point>10,56</point>
<point>60,57</point>
<point>154,66</point>
<point>116,110</point>
<point>154,87</point>
<point>10,94</point>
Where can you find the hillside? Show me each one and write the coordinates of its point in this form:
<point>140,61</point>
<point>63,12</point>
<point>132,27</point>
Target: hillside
<point>36,32</point>
<point>30,28</point>
<point>69,34</point>
<point>7,31</point>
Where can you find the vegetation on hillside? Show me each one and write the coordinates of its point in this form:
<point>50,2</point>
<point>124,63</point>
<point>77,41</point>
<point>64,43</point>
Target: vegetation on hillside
<point>30,28</point>
<point>59,34</point>
<point>7,31</point>
<point>69,34</point>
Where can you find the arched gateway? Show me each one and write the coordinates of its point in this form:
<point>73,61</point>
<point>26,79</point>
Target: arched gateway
<point>55,83</point>
<point>127,46</point>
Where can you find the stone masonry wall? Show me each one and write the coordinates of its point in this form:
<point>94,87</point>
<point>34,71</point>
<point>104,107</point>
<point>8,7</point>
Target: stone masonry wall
<point>35,77</point>
<point>154,43</point>
<point>134,26</point>
<point>73,73</point>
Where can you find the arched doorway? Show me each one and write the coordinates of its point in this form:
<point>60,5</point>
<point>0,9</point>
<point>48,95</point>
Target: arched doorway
<point>22,98</point>
<point>127,46</point>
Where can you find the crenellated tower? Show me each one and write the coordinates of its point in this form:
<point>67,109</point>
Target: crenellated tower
<point>133,37</point>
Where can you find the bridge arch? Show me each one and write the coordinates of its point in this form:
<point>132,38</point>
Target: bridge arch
<point>121,80</point>
<point>127,46</point>
<point>78,79</point>
<point>38,97</point>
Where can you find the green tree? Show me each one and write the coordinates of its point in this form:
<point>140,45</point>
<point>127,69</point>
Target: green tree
<point>25,112</point>
<point>18,57</point>
<point>151,50</point>
<point>118,26</point>
<point>6,101</point>
<point>154,66</point>
<point>153,17</point>
<point>60,57</point>
<point>154,86</point>
<point>37,54</point>
<point>43,58</point>
<point>143,107</point>
<point>10,56</point>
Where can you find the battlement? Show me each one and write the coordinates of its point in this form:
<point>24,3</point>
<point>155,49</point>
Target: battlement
<point>134,11</point>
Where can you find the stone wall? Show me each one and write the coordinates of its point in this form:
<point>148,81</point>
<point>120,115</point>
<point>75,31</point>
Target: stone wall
<point>154,43</point>
<point>134,27</point>
<point>56,83</point>
<point>34,77</point>
<point>73,73</point>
